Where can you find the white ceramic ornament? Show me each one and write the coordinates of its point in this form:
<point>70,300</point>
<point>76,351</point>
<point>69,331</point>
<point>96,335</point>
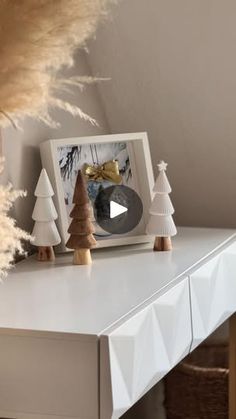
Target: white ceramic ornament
<point>161,226</point>
<point>43,187</point>
<point>161,206</point>
<point>45,232</point>
<point>161,223</point>
<point>44,210</point>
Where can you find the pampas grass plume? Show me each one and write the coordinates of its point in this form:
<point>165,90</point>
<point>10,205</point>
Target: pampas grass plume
<point>38,38</point>
<point>11,235</point>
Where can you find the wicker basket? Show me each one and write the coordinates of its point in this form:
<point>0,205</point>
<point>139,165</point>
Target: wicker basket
<point>198,387</point>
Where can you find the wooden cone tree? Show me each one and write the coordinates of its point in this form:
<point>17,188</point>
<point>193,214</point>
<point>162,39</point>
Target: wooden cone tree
<point>161,223</point>
<point>81,228</point>
<point>45,232</point>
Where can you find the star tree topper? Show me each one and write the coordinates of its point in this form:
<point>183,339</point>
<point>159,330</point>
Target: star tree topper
<point>162,166</point>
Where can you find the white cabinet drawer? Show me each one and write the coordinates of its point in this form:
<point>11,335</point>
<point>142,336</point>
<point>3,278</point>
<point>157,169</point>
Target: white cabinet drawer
<point>213,291</point>
<point>138,353</point>
<point>46,377</point>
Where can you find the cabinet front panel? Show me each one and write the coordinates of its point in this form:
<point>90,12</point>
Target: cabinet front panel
<point>213,291</point>
<point>143,349</point>
<point>48,377</point>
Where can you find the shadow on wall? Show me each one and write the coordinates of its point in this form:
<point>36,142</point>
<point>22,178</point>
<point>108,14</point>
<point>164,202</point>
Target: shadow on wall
<point>25,206</point>
<point>173,66</point>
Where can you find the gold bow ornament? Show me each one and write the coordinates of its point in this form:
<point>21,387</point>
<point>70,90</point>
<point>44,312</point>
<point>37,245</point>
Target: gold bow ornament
<point>106,171</point>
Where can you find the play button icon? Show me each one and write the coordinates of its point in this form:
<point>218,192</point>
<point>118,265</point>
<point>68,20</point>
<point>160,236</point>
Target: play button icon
<point>118,209</point>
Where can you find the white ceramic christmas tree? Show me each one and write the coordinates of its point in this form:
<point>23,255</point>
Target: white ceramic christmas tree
<point>161,223</point>
<point>45,232</point>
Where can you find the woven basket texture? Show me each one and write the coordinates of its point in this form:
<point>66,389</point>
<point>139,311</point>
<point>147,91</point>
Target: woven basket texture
<point>198,387</point>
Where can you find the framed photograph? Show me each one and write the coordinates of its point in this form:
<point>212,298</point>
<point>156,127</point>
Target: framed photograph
<point>62,158</point>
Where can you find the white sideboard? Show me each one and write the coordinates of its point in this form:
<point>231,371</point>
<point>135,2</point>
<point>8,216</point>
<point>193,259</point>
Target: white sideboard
<point>87,342</point>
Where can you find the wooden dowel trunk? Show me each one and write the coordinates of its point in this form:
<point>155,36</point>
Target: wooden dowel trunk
<point>162,244</point>
<point>46,253</point>
<point>82,257</point>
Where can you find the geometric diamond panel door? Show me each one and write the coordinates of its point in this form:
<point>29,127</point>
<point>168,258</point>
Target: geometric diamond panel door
<point>213,290</point>
<point>144,348</point>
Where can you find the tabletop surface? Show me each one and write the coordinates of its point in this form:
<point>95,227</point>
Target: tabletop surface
<point>60,297</point>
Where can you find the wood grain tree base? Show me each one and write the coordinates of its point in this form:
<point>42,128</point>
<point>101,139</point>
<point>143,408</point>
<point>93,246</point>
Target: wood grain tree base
<point>82,257</point>
<point>162,244</point>
<point>46,254</point>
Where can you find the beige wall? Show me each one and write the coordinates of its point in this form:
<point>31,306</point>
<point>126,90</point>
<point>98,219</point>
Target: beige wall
<point>21,149</point>
<point>173,70</point>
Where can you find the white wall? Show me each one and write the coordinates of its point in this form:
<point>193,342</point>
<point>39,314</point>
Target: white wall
<point>21,149</point>
<point>173,70</point>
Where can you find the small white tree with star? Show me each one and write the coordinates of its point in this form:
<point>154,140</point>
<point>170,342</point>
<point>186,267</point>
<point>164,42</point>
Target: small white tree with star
<point>161,223</point>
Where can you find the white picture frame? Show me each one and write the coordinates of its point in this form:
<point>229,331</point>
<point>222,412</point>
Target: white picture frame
<point>142,177</point>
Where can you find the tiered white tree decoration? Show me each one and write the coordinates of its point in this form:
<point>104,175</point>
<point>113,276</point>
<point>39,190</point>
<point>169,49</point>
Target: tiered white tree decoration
<point>161,223</point>
<point>45,232</point>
